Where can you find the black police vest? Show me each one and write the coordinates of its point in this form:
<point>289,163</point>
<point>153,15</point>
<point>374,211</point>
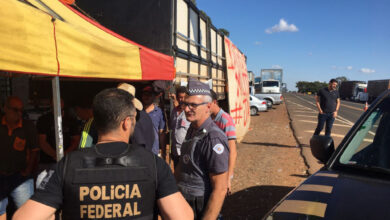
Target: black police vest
<point>101,187</point>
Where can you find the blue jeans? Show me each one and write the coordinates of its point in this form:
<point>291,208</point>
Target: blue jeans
<point>322,119</point>
<point>20,194</point>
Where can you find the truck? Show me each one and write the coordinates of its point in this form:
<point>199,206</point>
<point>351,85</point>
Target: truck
<point>353,90</point>
<point>179,29</point>
<point>376,87</point>
<point>268,86</point>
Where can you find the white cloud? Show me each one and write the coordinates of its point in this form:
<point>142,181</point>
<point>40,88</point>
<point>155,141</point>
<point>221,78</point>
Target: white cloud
<point>367,70</point>
<point>349,67</point>
<point>283,26</point>
<point>258,43</point>
<point>277,67</point>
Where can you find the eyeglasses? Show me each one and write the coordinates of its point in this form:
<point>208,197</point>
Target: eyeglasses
<point>192,106</point>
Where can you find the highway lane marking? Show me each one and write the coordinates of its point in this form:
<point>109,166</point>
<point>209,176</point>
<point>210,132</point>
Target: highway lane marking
<point>307,116</point>
<point>332,135</point>
<point>346,120</point>
<point>315,122</point>
<point>339,118</point>
<point>306,112</point>
<point>354,108</point>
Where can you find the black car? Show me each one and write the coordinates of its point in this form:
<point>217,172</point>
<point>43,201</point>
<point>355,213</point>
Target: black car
<point>355,181</point>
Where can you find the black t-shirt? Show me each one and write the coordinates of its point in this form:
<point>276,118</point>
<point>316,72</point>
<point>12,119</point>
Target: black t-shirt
<point>15,147</point>
<point>45,125</point>
<point>50,191</point>
<point>142,131</point>
<point>328,99</point>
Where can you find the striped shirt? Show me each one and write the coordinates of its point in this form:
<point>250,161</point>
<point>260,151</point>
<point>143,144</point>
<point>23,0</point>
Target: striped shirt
<point>225,122</point>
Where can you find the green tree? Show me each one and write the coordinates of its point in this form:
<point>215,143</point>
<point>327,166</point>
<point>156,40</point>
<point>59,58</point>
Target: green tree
<point>193,2</point>
<point>224,32</point>
<point>205,15</point>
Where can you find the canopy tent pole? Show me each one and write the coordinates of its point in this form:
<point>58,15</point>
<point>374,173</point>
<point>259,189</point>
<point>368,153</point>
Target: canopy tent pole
<point>55,82</point>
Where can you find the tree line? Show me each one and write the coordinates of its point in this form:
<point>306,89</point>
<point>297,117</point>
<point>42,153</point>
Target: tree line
<point>313,87</point>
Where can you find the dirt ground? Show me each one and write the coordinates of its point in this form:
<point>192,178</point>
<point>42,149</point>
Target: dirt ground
<point>269,165</point>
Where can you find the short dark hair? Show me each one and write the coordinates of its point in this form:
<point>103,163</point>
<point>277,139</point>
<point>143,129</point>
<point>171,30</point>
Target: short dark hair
<point>333,81</point>
<point>110,107</point>
<point>213,95</point>
<point>181,89</point>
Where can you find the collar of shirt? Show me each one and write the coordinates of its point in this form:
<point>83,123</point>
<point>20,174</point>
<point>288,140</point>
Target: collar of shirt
<point>4,122</point>
<point>219,115</point>
<point>205,125</point>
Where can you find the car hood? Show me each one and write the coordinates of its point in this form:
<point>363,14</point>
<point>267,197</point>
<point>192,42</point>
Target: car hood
<point>332,195</point>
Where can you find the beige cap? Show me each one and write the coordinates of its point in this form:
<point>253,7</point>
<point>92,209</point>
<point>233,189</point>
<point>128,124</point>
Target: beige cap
<point>130,89</point>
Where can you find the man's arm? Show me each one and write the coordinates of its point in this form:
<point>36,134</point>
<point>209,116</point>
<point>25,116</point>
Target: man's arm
<point>214,205</point>
<point>33,210</point>
<point>45,146</point>
<point>74,143</point>
<point>232,162</point>
<point>31,162</point>
<point>175,206</point>
<point>337,108</point>
<point>318,105</point>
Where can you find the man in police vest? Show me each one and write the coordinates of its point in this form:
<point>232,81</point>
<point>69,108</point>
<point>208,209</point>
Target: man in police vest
<point>202,173</point>
<point>112,180</point>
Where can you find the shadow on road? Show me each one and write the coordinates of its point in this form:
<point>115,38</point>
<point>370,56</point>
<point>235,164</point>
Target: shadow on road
<point>253,202</point>
<point>269,144</point>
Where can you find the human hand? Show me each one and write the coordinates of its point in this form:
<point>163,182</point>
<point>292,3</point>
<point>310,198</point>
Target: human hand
<point>172,96</point>
<point>229,186</point>
<point>321,112</point>
<point>335,114</point>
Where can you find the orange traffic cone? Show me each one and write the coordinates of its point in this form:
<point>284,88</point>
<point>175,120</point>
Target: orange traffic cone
<point>366,106</point>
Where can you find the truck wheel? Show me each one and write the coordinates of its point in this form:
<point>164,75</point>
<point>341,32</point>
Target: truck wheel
<point>253,111</point>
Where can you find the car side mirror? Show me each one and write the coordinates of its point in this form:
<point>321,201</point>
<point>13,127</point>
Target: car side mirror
<point>322,147</point>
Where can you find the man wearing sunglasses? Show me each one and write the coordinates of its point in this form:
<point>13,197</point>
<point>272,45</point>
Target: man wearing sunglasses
<point>18,139</point>
<point>202,173</point>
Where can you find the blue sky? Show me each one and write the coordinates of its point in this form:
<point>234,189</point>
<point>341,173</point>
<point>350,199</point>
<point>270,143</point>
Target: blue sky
<point>317,39</point>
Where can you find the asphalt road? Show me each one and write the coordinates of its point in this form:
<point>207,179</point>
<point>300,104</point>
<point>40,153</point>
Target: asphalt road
<point>350,111</point>
<point>303,114</point>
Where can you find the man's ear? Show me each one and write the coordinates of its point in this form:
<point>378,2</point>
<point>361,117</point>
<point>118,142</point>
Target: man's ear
<point>126,124</point>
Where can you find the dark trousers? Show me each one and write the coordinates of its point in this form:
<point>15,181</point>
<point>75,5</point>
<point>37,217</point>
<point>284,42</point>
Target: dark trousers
<point>322,119</point>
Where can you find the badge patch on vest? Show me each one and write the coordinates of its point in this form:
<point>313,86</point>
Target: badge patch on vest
<point>218,148</point>
<point>186,158</point>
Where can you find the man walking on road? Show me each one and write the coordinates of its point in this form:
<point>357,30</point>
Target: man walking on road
<point>328,104</point>
<point>202,172</point>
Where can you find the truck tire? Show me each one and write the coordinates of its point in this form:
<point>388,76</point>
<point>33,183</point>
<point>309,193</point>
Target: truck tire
<point>253,111</point>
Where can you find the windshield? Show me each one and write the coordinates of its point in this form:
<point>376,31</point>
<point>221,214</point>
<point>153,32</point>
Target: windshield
<point>270,84</point>
<point>370,147</point>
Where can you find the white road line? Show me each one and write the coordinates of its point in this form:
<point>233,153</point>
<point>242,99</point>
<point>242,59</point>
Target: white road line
<point>306,116</point>
<point>312,112</point>
<point>346,120</point>
<point>354,108</point>
<point>315,122</point>
<point>332,135</point>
